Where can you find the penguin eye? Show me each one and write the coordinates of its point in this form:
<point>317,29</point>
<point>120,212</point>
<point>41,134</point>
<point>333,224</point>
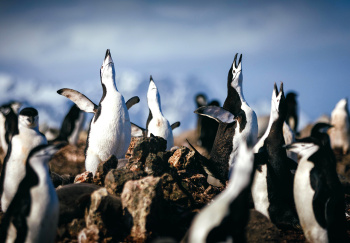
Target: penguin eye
<point>234,71</point>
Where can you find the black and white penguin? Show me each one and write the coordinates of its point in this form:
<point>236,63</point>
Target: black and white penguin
<point>206,127</point>
<point>71,126</point>
<point>225,219</point>
<point>32,215</point>
<point>7,113</point>
<point>110,127</point>
<point>272,189</point>
<point>292,117</point>
<point>318,193</point>
<point>28,138</point>
<point>340,132</point>
<point>229,135</point>
<point>156,123</point>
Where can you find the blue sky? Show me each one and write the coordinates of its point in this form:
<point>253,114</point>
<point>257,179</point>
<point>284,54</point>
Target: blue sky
<point>305,44</point>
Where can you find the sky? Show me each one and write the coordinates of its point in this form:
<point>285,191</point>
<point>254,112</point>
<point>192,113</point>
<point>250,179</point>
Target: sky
<point>187,46</point>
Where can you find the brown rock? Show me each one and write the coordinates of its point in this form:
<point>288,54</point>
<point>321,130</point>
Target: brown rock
<point>141,198</point>
<point>148,145</point>
<point>261,229</point>
<point>174,192</point>
<point>89,234</point>
<point>85,177</point>
<point>186,159</point>
<point>103,168</point>
<point>116,178</point>
<point>133,142</point>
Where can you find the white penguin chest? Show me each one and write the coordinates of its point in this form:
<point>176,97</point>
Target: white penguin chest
<point>303,197</point>
<point>259,191</point>
<point>112,128</point>
<point>159,126</point>
<point>43,218</point>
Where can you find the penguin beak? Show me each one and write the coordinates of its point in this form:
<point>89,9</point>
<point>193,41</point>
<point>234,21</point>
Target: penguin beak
<point>108,58</point>
<point>30,120</point>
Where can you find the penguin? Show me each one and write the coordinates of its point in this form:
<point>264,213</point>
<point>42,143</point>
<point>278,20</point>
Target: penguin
<point>272,188</point>
<point>71,126</point>
<point>110,128</point>
<point>156,123</point>
<point>292,117</point>
<point>225,219</point>
<point>206,127</point>
<point>200,100</point>
<point>229,134</point>
<point>318,193</point>
<point>340,132</point>
<point>32,215</point>
<point>28,138</point>
<point>8,111</point>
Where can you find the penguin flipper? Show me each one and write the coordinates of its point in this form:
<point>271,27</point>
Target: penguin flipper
<point>320,197</point>
<point>217,113</point>
<point>175,125</point>
<point>137,131</point>
<point>79,99</point>
<point>132,101</point>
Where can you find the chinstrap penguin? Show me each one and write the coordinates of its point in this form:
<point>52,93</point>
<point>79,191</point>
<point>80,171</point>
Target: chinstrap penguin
<point>318,193</point>
<point>229,134</point>
<point>206,127</point>
<point>272,189</point>
<point>32,215</point>
<point>156,123</point>
<point>340,132</point>
<point>110,128</point>
<point>8,112</point>
<point>292,117</point>
<point>71,126</point>
<point>225,219</point>
<point>21,144</point>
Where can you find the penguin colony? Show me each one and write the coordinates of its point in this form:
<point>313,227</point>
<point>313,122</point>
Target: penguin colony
<point>292,182</point>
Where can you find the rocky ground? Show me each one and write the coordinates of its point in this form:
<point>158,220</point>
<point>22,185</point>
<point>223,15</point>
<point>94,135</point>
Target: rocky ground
<point>152,194</point>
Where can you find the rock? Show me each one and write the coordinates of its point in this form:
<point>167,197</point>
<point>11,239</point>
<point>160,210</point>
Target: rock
<point>89,234</point>
<point>85,177</point>
<point>148,145</point>
<point>103,168</point>
<point>186,159</point>
<point>157,165</point>
<point>93,216</point>
<point>141,198</point>
<point>59,180</point>
<point>116,178</point>
<point>174,192</point>
<point>261,229</point>
<point>133,142</point>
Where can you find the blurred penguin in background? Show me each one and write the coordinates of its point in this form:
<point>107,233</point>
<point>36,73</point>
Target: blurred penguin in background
<point>292,118</point>
<point>206,127</point>
<point>340,132</point>
<point>7,112</point>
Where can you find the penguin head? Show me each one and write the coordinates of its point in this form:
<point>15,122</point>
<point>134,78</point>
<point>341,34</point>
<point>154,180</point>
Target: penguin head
<point>235,75</point>
<point>319,131</point>
<point>153,96</point>
<point>342,104</point>
<point>201,100</point>
<point>29,117</point>
<point>107,72</point>
<point>278,104</point>
<point>43,153</point>
<point>304,147</point>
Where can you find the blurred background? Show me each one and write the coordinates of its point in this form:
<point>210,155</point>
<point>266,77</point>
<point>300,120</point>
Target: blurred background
<point>187,47</point>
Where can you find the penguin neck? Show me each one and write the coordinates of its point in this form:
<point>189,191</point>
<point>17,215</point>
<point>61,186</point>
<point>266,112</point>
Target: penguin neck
<point>155,108</point>
<point>23,128</point>
<point>239,89</point>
